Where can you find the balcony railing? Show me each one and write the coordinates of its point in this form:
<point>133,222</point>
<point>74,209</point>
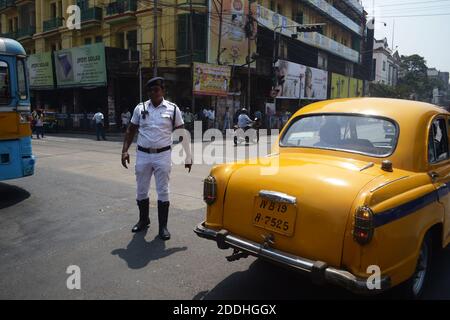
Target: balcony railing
<point>121,6</point>
<point>7,3</point>
<point>94,13</point>
<point>184,57</point>
<point>336,15</point>
<point>26,32</point>
<point>356,5</point>
<point>53,23</point>
<point>11,35</point>
<point>194,2</point>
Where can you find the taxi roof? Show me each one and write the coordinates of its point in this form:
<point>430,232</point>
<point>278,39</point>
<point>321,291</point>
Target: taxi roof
<point>395,109</point>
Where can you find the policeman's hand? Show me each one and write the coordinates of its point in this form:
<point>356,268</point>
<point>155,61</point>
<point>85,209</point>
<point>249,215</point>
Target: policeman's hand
<point>125,159</point>
<point>188,166</point>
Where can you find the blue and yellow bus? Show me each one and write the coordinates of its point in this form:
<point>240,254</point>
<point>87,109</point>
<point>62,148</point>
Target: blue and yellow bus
<point>16,157</point>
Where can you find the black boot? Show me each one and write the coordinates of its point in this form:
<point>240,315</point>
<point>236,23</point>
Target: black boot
<point>144,220</point>
<point>163,214</point>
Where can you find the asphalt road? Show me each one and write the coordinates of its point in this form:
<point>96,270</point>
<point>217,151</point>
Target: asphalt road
<point>78,209</point>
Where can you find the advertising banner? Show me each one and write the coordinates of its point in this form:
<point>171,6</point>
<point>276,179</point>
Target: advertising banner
<point>81,66</point>
<point>234,43</point>
<point>339,86</point>
<point>296,81</point>
<point>211,80</point>
<point>40,70</point>
<point>345,87</point>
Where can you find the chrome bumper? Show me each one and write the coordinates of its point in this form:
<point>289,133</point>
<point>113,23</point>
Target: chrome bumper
<point>318,270</point>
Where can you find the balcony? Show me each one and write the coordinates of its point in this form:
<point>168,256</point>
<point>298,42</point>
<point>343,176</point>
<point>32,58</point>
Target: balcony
<point>11,35</point>
<point>94,14</point>
<point>336,15</point>
<point>355,5</point>
<point>4,4</point>
<point>265,17</point>
<point>184,57</point>
<point>53,24</point>
<point>121,6</point>
<point>26,32</point>
<point>202,3</point>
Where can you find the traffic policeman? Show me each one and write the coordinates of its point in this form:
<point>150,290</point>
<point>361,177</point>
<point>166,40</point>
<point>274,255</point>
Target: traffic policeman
<point>154,120</point>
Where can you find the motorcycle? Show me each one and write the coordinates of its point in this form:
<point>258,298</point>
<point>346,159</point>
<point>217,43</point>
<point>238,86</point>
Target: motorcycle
<point>241,136</point>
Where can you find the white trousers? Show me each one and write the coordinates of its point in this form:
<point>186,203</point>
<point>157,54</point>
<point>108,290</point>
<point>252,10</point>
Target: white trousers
<point>159,164</point>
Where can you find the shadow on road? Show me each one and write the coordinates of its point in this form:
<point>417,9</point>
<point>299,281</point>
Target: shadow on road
<point>11,195</point>
<point>266,281</point>
<point>139,253</point>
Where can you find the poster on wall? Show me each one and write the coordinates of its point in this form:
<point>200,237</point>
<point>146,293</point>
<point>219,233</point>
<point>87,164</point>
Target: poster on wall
<point>234,43</point>
<point>40,70</point>
<point>211,80</point>
<point>296,81</point>
<point>81,66</point>
<point>339,86</point>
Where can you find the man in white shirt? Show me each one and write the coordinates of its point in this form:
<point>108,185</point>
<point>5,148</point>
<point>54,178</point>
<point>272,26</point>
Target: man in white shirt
<point>99,124</point>
<point>125,116</point>
<point>155,120</point>
<point>244,121</point>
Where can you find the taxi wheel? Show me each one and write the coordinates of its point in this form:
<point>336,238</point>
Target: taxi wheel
<point>414,287</point>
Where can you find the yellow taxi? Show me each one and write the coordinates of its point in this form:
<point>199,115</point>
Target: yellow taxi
<point>354,193</point>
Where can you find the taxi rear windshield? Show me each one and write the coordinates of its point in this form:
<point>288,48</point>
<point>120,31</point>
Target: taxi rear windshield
<point>350,133</point>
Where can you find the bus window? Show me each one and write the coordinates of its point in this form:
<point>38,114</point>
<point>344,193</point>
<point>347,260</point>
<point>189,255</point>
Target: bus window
<point>5,95</point>
<point>21,79</point>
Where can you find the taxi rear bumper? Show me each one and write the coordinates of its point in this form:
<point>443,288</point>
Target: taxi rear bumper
<point>319,271</point>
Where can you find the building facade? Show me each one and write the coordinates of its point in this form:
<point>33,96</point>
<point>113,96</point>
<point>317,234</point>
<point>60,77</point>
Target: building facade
<point>126,29</point>
<point>386,63</point>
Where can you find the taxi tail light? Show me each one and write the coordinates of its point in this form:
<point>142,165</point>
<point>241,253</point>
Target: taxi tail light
<point>363,228</point>
<point>209,190</point>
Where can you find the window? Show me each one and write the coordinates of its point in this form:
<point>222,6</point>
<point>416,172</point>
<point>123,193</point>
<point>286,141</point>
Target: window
<point>437,142</point>
<point>120,43</point>
<point>272,5</point>
<point>53,10</point>
<point>384,65</point>
<point>5,95</point>
<point>349,133</point>
<point>132,40</point>
<point>298,17</point>
<point>322,62</point>
<point>21,79</point>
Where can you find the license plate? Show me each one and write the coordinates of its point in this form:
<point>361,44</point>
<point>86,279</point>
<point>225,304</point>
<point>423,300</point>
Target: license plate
<point>275,216</point>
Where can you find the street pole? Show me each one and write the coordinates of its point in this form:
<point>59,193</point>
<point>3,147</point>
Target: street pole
<point>249,29</point>
<point>191,36</point>
<point>219,49</point>
<point>155,38</point>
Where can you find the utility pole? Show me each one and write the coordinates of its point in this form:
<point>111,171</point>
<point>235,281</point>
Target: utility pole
<point>155,38</point>
<point>191,38</point>
<point>249,35</point>
<point>219,49</point>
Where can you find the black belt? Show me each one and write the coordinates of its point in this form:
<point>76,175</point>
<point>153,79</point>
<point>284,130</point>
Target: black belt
<point>151,150</point>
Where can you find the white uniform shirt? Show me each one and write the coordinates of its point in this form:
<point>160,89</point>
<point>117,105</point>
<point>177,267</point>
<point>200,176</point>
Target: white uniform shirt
<point>98,117</point>
<point>244,121</point>
<point>155,131</point>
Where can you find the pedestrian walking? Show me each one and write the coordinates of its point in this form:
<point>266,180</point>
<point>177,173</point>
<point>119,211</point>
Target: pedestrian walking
<point>39,123</point>
<point>154,120</point>
<point>125,117</point>
<point>189,118</point>
<point>99,119</point>
<point>226,120</point>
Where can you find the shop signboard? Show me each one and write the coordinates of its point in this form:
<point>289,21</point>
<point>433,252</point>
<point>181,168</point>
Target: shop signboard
<point>81,66</point>
<point>40,70</point>
<point>211,80</point>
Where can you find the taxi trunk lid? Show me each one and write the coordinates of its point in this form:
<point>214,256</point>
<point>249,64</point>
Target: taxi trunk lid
<point>324,191</point>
